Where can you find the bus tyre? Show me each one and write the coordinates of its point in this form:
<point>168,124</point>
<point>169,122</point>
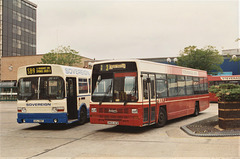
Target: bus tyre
<point>83,116</point>
<point>162,118</point>
<point>196,112</point>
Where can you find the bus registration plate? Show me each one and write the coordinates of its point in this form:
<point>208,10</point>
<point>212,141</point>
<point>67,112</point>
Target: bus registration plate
<point>113,123</point>
<point>38,121</point>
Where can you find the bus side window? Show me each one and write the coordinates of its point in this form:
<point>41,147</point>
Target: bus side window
<point>189,85</point>
<point>201,85</point>
<point>196,85</point>
<point>181,85</point>
<point>172,85</point>
<point>161,85</point>
<point>82,85</point>
<point>205,85</point>
<point>161,88</point>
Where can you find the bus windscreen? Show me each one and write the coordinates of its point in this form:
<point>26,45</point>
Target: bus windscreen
<point>115,82</point>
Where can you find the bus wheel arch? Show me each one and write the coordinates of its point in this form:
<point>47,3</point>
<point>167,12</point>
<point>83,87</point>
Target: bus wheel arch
<point>82,114</point>
<point>162,116</point>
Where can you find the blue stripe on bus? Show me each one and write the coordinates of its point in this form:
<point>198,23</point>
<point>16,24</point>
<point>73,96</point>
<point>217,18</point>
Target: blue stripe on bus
<point>39,117</point>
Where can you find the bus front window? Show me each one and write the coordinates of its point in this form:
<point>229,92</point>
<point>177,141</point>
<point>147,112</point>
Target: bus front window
<point>115,87</point>
<point>51,88</point>
<point>102,92</point>
<point>125,87</point>
<point>28,88</point>
<point>48,88</point>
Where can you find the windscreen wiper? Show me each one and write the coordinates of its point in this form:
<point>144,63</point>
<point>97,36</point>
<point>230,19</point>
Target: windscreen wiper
<point>125,102</point>
<point>28,98</point>
<point>48,97</point>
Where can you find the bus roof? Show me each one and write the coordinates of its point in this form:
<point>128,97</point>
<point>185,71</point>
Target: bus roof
<point>154,67</point>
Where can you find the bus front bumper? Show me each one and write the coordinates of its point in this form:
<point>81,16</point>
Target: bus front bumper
<point>42,118</point>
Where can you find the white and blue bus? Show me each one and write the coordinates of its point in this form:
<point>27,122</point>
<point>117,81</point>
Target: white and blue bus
<point>50,93</point>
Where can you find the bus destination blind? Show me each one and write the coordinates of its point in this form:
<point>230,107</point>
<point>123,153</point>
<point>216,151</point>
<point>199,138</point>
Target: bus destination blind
<point>109,67</point>
<point>37,70</point>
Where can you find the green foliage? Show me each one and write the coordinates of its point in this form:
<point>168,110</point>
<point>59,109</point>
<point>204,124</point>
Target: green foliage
<point>62,55</point>
<point>226,92</point>
<point>207,59</point>
<point>235,58</point>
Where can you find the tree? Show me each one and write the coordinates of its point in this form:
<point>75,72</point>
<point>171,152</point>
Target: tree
<point>207,59</point>
<point>235,58</point>
<point>62,55</point>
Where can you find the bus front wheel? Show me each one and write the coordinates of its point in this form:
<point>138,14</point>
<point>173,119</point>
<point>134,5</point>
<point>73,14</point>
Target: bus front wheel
<point>162,118</point>
<point>83,116</point>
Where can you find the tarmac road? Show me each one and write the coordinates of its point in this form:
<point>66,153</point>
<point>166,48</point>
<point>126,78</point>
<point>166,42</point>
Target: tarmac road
<point>88,141</point>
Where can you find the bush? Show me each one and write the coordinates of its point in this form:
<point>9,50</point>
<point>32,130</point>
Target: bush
<point>226,92</point>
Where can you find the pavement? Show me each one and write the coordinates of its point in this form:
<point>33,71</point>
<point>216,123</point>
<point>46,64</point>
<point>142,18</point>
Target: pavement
<point>209,128</point>
<point>33,141</point>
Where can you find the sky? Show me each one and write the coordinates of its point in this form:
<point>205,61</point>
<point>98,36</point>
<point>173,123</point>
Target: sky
<point>121,29</point>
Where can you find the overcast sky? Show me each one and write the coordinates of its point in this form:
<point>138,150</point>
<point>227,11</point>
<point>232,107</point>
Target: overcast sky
<point>107,29</point>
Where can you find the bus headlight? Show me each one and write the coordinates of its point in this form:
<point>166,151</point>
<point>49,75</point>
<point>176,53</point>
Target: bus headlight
<point>55,120</point>
<point>93,110</point>
<point>134,111</point>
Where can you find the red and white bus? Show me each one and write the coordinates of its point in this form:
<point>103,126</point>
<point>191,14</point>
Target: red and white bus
<point>217,80</point>
<point>140,93</point>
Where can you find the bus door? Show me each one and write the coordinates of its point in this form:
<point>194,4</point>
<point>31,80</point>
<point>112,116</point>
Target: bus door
<point>149,97</point>
<point>71,98</point>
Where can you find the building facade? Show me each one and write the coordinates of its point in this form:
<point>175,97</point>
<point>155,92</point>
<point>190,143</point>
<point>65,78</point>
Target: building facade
<point>17,28</point>
<point>230,66</point>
